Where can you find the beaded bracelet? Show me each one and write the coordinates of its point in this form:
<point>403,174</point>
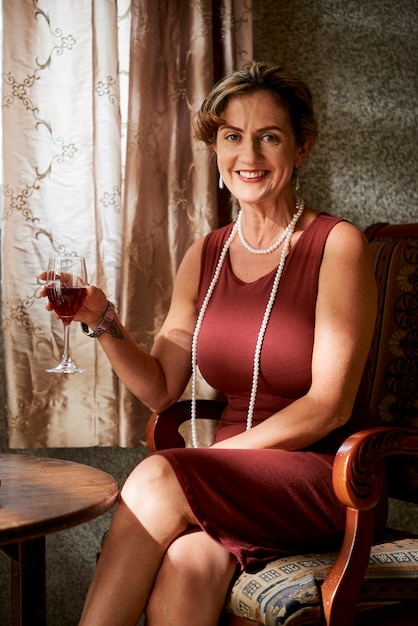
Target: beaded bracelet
<point>105,323</point>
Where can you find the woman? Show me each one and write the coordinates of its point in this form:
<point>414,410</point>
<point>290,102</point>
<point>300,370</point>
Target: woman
<point>289,294</point>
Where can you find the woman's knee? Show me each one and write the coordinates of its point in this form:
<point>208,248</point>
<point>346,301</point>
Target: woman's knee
<point>152,474</point>
<point>153,486</point>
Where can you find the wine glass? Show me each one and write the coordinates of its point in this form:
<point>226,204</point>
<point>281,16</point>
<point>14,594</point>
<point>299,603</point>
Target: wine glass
<point>66,284</point>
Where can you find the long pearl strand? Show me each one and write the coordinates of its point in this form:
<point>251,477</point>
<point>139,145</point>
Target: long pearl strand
<point>278,242</point>
<point>198,327</point>
<point>288,236</point>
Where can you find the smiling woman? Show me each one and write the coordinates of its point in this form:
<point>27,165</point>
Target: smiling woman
<point>267,289</point>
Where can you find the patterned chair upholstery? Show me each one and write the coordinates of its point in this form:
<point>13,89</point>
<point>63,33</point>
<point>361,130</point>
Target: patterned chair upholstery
<point>365,583</point>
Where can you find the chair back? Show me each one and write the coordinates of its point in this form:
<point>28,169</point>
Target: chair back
<point>390,383</point>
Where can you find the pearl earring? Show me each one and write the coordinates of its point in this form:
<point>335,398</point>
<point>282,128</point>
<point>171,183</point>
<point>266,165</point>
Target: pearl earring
<point>297,185</point>
<point>221,182</point>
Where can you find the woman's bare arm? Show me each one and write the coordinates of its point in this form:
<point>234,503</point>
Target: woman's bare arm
<point>159,378</point>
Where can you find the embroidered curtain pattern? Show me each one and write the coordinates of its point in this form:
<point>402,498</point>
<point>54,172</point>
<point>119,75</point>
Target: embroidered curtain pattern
<point>71,73</point>
<point>62,195</point>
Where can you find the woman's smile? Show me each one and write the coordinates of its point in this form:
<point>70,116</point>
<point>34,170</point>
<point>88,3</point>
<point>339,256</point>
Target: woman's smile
<point>252,176</point>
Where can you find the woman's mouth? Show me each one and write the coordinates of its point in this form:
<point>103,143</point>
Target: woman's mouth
<point>253,175</point>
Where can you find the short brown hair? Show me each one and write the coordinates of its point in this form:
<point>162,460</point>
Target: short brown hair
<point>291,92</point>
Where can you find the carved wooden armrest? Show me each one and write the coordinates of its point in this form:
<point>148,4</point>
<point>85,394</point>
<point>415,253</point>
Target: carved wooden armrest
<point>357,474</point>
<point>358,479</point>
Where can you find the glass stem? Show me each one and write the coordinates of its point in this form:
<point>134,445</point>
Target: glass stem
<point>66,356</point>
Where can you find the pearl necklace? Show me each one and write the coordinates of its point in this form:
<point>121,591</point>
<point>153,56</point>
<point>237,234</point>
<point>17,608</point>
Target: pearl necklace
<point>257,354</point>
<point>278,241</point>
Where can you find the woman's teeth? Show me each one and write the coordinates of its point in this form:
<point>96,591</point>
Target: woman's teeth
<point>258,174</point>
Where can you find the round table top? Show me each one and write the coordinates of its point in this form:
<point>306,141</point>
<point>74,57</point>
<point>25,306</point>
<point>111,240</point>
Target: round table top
<point>40,495</point>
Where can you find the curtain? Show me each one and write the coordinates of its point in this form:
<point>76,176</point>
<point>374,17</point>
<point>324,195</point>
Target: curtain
<point>171,180</point>
<point>62,195</point>
<point>84,84</point>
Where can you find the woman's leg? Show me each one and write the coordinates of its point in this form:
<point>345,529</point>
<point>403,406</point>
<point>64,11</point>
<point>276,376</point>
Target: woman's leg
<point>192,583</point>
<point>152,512</point>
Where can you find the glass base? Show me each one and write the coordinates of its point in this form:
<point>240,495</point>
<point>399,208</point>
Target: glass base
<point>66,366</point>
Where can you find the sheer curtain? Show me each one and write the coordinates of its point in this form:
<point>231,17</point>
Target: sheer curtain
<point>72,71</point>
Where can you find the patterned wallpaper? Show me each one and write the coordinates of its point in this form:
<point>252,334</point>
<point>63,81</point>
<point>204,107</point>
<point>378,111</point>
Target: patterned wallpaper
<point>360,59</point>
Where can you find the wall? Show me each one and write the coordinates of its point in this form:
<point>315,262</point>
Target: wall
<point>359,57</point>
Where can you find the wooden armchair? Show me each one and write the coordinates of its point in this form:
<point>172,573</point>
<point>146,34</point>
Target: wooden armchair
<point>366,582</point>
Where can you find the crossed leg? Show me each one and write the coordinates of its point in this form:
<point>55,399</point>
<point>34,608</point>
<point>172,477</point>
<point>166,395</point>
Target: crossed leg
<point>152,513</point>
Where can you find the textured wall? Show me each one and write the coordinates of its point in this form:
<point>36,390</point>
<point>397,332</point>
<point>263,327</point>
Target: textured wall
<point>360,59</point>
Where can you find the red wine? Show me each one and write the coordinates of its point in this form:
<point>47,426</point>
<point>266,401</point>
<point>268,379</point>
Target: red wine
<point>66,301</point>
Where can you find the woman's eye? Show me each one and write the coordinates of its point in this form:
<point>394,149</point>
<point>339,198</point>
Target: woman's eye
<point>270,138</point>
<point>231,137</point>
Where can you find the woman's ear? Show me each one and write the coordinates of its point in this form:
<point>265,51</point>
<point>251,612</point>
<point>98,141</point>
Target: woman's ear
<point>302,151</point>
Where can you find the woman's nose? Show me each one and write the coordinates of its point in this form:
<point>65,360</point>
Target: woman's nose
<point>250,150</point>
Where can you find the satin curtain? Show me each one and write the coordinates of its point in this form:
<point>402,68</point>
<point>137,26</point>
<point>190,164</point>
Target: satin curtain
<point>66,67</point>
<point>178,50</point>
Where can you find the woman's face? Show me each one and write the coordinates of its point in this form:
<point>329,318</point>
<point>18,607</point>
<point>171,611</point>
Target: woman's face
<point>256,148</point>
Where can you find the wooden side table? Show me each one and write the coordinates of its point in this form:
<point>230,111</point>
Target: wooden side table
<point>39,496</point>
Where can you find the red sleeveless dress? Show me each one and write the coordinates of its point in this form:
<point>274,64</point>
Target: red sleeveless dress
<point>261,504</point>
